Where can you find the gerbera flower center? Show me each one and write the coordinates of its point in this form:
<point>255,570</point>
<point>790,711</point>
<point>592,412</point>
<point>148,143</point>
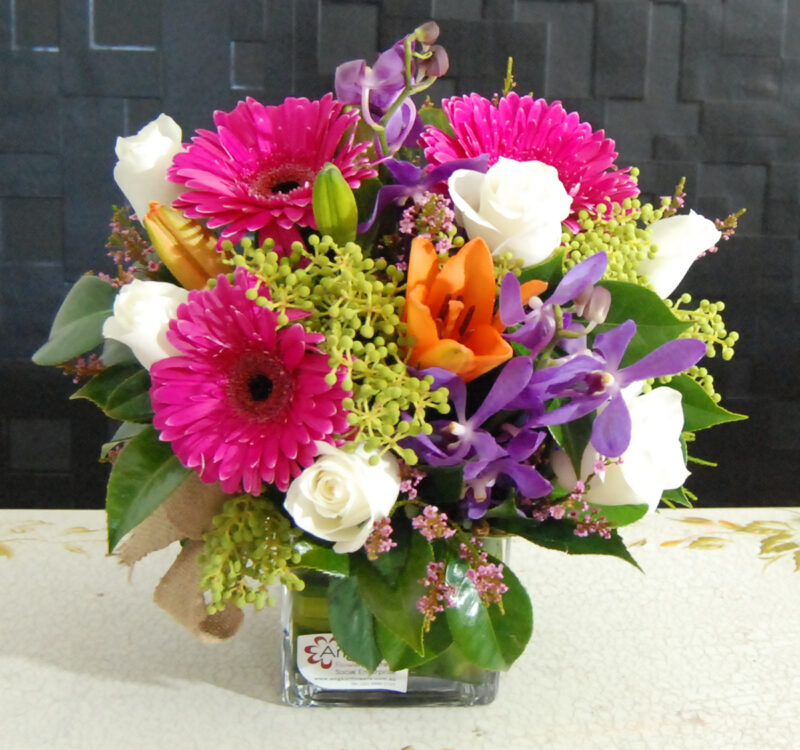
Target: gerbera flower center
<point>281,179</point>
<point>259,387</point>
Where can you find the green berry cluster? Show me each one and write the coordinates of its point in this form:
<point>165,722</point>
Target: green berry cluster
<point>356,302</point>
<point>249,547</point>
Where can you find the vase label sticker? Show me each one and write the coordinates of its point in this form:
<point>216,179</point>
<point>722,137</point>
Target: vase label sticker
<point>322,663</point>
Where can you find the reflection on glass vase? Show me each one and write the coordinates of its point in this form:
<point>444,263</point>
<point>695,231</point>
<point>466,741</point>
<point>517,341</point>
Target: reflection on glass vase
<point>316,672</point>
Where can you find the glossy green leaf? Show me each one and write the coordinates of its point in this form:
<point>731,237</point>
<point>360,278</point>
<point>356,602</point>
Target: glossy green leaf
<point>124,432</point>
<point>676,497</point>
<point>145,474</point>
<point>487,636</point>
<point>655,324</point>
<point>573,437</point>
<point>78,325</point>
<point>551,271</point>
<point>321,558</point>
<point>558,535</point>
<point>699,410</point>
<point>622,515</point>
<point>396,606</point>
<point>116,353</point>
<point>400,656</point>
<point>435,116</point>
<point>352,624</point>
<point>442,485</point>
<point>121,391</point>
<point>452,664</point>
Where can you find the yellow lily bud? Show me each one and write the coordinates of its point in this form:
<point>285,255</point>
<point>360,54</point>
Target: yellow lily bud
<point>186,247</point>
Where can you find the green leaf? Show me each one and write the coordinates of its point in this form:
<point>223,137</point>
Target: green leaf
<point>317,557</point>
<point>400,656</point>
<point>352,624</point>
<point>121,391</point>
<point>145,474</point>
<point>488,637</point>
<point>395,607</point>
<point>442,485</point>
<point>551,271</point>
<point>573,437</point>
<point>116,353</point>
<point>622,515</point>
<point>435,116</point>
<point>78,325</point>
<point>699,410</point>
<point>124,432</point>
<point>452,664</point>
<point>557,535</point>
<point>655,324</point>
<point>676,497</point>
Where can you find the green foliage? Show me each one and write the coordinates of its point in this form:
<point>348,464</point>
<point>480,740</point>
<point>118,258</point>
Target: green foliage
<point>78,325</point>
<point>699,409</point>
<point>352,624</point>
<point>559,536</point>
<point>395,606</point>
<point>551,271</point>
<point>121,391</point>
<point>316,557</point>
<point>621,515</point>
<point>573,437</point>
<point>144,475</point>
<point>489,637</point>
<point>655,324</point>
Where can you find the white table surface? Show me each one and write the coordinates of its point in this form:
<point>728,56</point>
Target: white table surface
<point>700,651</point>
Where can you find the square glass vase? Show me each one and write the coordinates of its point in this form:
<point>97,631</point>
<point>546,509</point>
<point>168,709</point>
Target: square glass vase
<point>316,673</point>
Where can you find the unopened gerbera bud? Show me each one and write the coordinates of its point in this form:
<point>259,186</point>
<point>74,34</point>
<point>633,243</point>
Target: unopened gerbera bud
<point>186,247</point>
<point>428,33</point>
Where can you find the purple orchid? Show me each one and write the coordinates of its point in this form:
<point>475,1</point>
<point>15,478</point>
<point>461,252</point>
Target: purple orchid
<point>594,380</point>
<point>412,181</point>
<point>539,323</point>
<point>464,441</point>
<point>375,89</point>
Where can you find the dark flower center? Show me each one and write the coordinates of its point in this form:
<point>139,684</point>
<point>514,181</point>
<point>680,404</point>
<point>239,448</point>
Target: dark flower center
<point>260,388</point>
<point>270,181</point>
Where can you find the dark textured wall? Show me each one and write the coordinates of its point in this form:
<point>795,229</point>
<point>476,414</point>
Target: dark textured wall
<point>709,89</point>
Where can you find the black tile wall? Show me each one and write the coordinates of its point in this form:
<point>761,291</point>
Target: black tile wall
<point>702,88</point>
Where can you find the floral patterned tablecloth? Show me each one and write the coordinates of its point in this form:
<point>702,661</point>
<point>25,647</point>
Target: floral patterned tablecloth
<point>701,650</point>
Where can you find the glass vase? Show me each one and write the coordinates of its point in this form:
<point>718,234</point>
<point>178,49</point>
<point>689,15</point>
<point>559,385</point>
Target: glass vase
<point>316,673</point>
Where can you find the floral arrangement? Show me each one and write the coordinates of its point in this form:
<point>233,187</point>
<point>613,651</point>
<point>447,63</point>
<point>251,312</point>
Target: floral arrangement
<point>367,336</point>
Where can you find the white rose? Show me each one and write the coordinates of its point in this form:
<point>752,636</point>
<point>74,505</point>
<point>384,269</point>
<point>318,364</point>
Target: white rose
<point>144,158</point>
<point>341,496</point>
<point>142,311</point>
<point>680,239</point>
<point>517,207</point>
<point>652,463</point>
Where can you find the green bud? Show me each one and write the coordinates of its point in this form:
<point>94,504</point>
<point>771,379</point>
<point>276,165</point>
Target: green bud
<point>334,205</point>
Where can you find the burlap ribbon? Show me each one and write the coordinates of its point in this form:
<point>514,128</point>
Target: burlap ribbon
<point>184,516</point>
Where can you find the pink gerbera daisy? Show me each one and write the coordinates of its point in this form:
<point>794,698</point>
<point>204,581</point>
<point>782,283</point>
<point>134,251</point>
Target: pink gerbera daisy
<point>528,129</point>
<point>255,174</point>
<point>246,400</point>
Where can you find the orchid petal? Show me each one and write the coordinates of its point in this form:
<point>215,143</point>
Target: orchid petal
<point>669,359</point>
<point>612,344</point>
<point>611,431</point>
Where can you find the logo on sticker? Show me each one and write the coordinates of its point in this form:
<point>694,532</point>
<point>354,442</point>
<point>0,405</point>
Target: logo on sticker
<point>323,651</point>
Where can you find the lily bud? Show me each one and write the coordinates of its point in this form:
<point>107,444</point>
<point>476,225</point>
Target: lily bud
<point>186,247</point>
<point>335,209</point>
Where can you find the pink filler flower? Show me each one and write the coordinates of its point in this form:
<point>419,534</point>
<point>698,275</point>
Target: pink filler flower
<point>246,400</point>
<point>527,129</point>
<point>255,174</point>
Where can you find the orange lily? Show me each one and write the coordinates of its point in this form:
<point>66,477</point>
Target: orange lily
<point>186,247</point>
<point>450,311</point>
